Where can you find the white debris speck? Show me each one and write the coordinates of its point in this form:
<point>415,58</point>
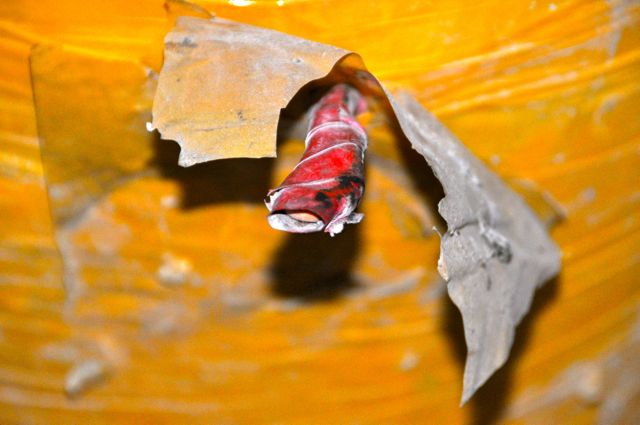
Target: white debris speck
<point>409,361</point>
<point>553,7</point>
<point>442,268</point>
<point>149,126</point>
<point>174,271</point>
<point>590,383</point>
<point>241,3</point>
<point>83,376</point>
<point>169,201</point>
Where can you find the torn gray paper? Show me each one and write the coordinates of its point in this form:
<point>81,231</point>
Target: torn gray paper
<point>495,252</point>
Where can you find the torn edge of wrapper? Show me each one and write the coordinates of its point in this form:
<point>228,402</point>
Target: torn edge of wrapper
<point>220,93</point>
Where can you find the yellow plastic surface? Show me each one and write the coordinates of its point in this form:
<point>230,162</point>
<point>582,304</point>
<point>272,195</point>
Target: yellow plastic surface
<point>189,302</point>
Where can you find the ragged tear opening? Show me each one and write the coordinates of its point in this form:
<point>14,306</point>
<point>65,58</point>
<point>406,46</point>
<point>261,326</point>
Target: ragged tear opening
<point>296,221</point>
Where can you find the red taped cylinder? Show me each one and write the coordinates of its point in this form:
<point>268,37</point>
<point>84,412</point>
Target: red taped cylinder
<point>324,189</point>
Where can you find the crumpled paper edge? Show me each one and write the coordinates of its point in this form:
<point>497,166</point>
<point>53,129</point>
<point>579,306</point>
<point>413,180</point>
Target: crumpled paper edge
<point>232,122</point>
<point>495,252</point>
